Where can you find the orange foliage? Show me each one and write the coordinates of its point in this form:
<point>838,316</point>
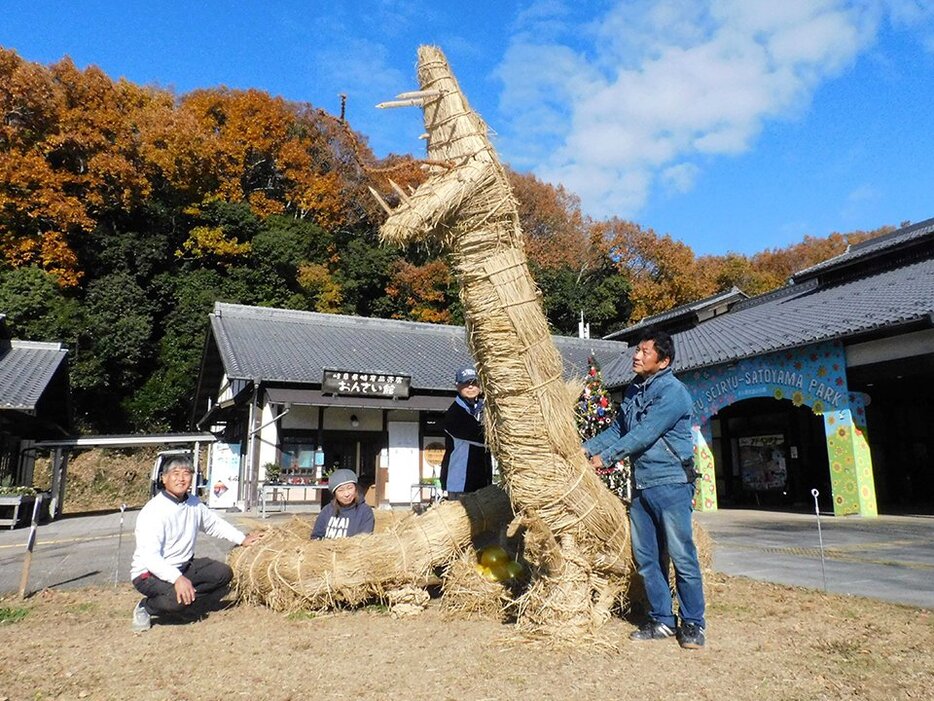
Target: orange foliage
<point>422,289</point>
<point>75,146</point>
<point>210,241</point>
<point>556,231</point>
<point>320,285</point>
<point>662,272</point>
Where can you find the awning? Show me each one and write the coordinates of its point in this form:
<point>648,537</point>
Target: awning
<point>314,397</point>
<point>127,440</point>
<point>29,426</point>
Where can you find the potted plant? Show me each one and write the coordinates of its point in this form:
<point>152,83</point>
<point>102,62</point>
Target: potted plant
<point>273,471</point>
<point>18,498</point>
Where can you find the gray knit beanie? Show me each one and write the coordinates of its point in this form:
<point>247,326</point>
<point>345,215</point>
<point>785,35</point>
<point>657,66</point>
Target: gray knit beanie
<point>339,477</point>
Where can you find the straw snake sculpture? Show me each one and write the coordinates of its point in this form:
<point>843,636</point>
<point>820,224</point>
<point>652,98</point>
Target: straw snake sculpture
<point>578,531</point>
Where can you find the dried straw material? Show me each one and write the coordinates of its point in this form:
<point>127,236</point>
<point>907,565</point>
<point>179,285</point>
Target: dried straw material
<point>286,571</point>
<point>469,206</point>
<point>407,601</point>
<point>468,595</point>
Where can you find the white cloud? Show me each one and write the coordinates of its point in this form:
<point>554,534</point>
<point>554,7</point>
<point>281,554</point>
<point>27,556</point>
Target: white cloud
<point>858,202</point>
<point>680,177</point>
<point>610,107</point>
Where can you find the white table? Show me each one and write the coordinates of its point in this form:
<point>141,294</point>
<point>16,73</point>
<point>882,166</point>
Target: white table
<point>417,494</point>
<point>275,497</point>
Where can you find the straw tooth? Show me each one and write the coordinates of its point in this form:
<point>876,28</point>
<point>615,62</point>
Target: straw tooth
<point>399,191</point>
<point>382,202</point>
<point>418,94</point>
<point>411,102</point>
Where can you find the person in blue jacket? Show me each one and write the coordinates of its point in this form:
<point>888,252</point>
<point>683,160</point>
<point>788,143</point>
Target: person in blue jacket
<point>467,464</point>
<point>345,515</point>
<point>653,428</point>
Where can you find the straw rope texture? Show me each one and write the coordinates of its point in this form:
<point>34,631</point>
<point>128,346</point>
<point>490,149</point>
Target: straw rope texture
<point>581,544</point>
<point>286,571</point>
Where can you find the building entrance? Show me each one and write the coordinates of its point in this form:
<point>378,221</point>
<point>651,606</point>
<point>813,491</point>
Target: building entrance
<point>770,453</point>
<point>357,451</point>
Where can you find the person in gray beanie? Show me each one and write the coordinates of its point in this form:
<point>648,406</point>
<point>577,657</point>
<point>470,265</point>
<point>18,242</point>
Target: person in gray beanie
<point>346,514</point>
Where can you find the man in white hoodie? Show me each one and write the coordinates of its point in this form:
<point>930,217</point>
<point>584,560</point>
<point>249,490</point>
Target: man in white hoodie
<point>165,570</point>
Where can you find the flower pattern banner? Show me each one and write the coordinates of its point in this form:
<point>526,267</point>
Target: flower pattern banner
<point>813,376</point>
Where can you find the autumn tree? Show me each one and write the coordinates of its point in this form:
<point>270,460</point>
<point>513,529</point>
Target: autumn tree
<point>661,271</point>
<point>736,270</point>
<point>569,258</point>
<point>422,292</point>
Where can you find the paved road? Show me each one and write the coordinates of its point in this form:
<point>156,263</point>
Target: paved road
<point>79,551</point>
<point>890,558</point>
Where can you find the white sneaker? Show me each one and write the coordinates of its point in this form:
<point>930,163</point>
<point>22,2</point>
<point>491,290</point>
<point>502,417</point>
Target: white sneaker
<point>141,618</point>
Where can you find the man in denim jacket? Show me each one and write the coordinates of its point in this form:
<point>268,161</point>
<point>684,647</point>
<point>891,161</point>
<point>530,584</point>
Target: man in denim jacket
<point>653,428</point>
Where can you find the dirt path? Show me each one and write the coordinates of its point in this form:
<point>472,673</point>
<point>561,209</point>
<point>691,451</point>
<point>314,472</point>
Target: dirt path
<point>765,642</point>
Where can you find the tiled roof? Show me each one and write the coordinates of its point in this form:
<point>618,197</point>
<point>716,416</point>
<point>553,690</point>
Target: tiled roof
<point>873,247</point>
<point>26,368</point>
<point>805,314</point>
<point>293,346</point>
<point>690,308</point>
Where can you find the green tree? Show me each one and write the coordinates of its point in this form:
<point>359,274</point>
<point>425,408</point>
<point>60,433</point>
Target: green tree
<point>163,401</point>
<point>594,413</point>
<point>284,244</point>
<point>115,349</point>
<point>363,273</point>
<point>36,309</point>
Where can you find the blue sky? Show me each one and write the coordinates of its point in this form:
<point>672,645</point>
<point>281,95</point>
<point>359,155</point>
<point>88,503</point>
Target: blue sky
<point>733,125</point>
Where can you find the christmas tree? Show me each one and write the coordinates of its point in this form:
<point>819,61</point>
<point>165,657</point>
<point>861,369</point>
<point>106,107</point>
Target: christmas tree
<point>595,413</point>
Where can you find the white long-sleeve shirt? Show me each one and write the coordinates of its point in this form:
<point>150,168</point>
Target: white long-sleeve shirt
<point>166,531</point>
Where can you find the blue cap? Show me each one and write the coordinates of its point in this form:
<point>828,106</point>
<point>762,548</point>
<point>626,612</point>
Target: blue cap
<point>465,375</point>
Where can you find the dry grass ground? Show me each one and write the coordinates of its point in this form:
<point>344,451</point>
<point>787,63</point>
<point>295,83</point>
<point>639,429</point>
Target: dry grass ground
<point>765,642</point>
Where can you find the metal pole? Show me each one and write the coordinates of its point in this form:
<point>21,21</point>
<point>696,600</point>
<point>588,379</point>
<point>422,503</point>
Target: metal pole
<point>30,543</point>
<point>820,537</point>
<point>119,542</point>
<point>249,493</point>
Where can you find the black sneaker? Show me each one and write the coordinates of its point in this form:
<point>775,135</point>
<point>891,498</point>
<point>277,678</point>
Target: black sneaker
<point>653,630</point>
<point>691,636</point>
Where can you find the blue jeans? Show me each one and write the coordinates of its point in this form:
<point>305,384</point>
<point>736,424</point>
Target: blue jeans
<point>661,529</point>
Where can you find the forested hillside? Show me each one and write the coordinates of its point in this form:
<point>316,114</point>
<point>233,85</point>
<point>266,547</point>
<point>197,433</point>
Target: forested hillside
<point>127,211</point>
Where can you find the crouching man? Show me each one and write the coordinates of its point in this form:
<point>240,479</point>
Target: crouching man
<point>174,582</point>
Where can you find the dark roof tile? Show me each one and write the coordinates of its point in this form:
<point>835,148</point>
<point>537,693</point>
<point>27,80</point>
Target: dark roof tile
<point>871,247</point>
<point>293,346</point>
<point>26,368</point>
<point>804,315</point>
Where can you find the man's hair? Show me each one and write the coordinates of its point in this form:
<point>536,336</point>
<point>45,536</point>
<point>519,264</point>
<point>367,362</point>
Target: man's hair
<point>177,461</point>
<point>664,344</point>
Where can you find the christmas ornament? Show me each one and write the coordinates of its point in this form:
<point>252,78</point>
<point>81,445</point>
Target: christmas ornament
<point>515,569</point>
<point>493,555</point>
